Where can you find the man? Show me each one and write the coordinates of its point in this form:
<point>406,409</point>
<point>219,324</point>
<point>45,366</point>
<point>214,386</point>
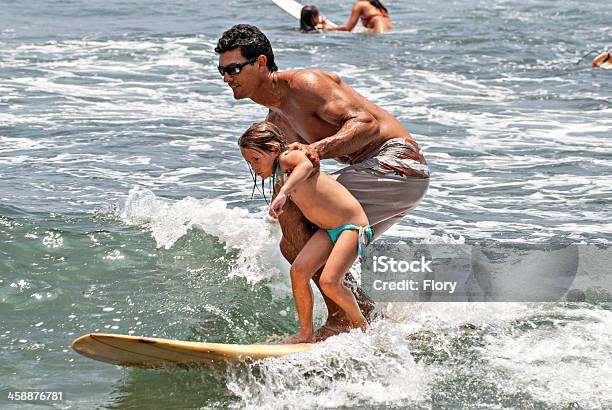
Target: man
<point>328,119</point>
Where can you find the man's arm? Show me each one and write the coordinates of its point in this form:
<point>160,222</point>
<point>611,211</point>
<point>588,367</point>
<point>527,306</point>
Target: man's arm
<point>324,95</point>
<point>357,129</point>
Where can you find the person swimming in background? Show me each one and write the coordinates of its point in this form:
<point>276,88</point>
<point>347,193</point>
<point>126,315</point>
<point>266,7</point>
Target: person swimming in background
<point>603,60</point>
<point>343,233</point>
<point>311,19</point>
<point>373,14</point>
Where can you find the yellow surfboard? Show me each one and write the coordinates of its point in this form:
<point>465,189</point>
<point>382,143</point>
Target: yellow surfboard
<point>151,352</point>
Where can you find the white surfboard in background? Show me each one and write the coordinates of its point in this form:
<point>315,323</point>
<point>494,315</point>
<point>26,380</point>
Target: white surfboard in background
<point>293,8</point>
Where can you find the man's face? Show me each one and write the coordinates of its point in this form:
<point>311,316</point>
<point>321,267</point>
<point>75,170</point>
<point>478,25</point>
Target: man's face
<point>241,83</point>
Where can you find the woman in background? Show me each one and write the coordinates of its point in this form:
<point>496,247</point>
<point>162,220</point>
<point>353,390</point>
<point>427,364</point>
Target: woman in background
<point>373,14</point>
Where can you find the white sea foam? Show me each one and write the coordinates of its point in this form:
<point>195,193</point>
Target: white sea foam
<point>253,235</point>
<point>545,361</point>
<point>346,370</point>
<point>8,144</point>
<point>380,366</point>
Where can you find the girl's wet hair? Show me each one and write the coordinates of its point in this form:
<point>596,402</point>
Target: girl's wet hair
<point>263,136</point>
<point>308,18</point>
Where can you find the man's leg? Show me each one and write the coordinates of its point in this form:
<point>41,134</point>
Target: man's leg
<point>296,232</point>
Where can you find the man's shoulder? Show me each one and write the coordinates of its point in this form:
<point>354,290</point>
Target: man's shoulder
<point>308,78</point>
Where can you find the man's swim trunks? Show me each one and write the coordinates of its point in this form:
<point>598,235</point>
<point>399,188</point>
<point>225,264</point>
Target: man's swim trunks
<point>388,183</point>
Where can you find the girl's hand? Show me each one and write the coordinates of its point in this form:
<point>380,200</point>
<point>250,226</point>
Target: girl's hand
<point>276,207</point>
<point>322,23</point>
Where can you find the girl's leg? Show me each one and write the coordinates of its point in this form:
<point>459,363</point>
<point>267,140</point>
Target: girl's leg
<point>308,262</point>
<point>339,261</point>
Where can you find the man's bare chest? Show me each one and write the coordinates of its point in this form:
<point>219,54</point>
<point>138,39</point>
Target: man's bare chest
<point>306,123</point>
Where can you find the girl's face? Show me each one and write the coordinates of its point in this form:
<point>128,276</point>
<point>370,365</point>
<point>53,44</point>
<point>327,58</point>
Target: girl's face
<point>262,162</point>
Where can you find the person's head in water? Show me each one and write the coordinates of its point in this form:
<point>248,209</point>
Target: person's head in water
<point>260,146</point>
<point>309,18</point>
<point>245,54</point>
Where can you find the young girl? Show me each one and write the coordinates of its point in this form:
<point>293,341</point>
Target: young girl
<point>344,231</point>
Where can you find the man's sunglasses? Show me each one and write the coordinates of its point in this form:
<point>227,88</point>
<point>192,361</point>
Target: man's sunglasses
<point>235,68</point>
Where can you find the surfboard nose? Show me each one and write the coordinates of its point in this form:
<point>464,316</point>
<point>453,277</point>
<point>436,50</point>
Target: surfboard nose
<point>151,352</point>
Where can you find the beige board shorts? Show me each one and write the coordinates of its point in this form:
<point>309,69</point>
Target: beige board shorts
<point>388,183</point>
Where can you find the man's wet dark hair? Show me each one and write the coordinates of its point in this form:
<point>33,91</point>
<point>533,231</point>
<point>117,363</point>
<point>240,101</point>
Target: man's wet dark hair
<point>251,42</point>
<point>308,15</point>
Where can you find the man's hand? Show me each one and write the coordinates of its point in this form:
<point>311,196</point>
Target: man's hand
<point>276,207</point>
<point>310,152</point>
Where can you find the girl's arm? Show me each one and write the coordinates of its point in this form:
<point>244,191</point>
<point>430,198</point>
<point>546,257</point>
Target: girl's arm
<point>301,168</point>
<point>351,23</point>
<point>327,25</point>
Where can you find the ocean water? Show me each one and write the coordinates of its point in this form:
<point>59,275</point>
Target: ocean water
<point>125,205</point>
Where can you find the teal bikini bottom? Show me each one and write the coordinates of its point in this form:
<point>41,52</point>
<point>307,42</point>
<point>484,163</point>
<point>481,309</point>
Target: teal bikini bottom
<point>365,237</point>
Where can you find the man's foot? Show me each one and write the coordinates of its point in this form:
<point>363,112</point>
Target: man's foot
<point>340,323</point>
<point>298,338</point>
<point>331,329</point>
